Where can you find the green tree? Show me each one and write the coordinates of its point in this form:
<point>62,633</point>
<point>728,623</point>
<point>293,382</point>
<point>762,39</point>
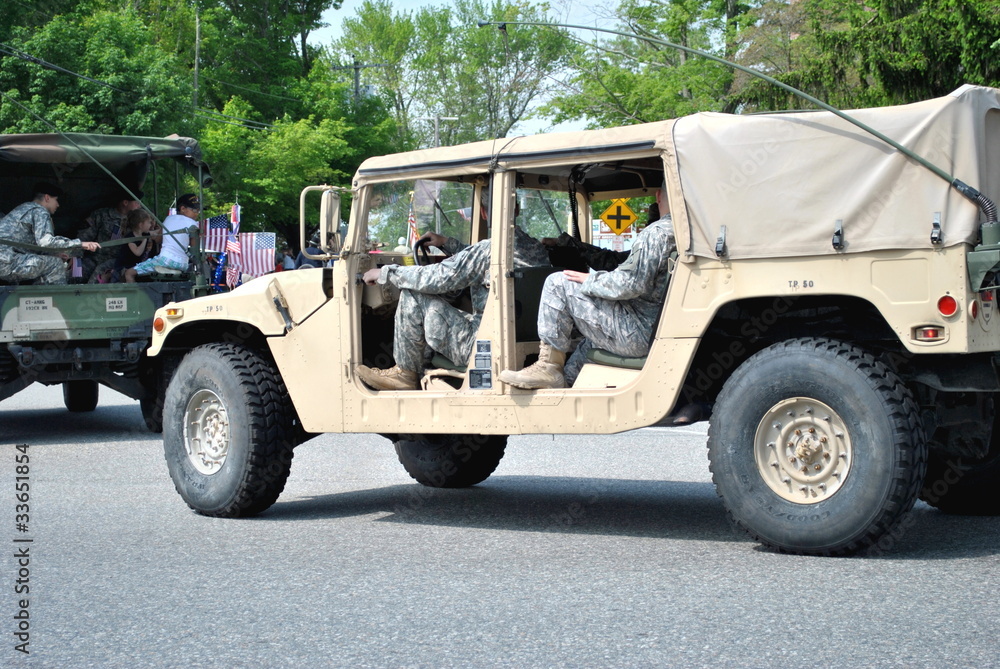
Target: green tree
<point>879,52</point>
<point>383,42</point>
<point>136,89</point>
<point>437,62</point>
<point>628,80</point>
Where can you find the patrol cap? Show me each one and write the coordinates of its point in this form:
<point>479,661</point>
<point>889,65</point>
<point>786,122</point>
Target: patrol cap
<point>189,200</point>
<point>46,188</point>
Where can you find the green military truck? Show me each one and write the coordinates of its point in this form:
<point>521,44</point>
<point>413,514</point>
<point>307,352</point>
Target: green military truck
<point>84,335</point>
<point>832,309</point>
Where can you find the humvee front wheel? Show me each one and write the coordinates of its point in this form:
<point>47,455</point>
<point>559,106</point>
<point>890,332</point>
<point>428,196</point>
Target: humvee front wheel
<point>81,396</point>
<point>228,431</point>
<point>816,447</point>
<point>451,460</point>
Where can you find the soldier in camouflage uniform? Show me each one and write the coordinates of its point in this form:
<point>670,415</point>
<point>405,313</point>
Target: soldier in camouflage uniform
<point>106,225</point>
<point>31,223</point>
<point>613,310</point>
<point>425,319</point>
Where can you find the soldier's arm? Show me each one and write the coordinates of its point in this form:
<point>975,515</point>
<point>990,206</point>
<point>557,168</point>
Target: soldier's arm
<point>41,225</point>
<point>459,271</point>
<point>637,275</point>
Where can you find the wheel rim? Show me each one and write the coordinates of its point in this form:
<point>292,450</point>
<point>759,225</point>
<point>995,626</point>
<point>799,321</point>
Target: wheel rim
<point>206,432</point>
<point>803,450</point>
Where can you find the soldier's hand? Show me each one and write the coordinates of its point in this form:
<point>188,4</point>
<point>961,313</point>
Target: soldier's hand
<point>371,276</point>
<point>574,276</point>
<point>90,246</point>
<point>434,239</point>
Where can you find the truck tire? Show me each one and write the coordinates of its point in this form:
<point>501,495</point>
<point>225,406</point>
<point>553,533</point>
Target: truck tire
<point>228,431</point>
<point>816,448</point>
<point>451,461</point>
<point>958,485</point>
<point>155,382</point>
<point>81,396</point>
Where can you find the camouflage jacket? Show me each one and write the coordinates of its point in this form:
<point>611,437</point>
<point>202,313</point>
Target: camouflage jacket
<point>641,281</point>
<point>31,223</point>
<point>467,268</point>
<point>105,225</point>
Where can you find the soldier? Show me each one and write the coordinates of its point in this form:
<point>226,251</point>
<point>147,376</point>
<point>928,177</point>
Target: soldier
<point>31,223</point>
<point>105,225</point>
<point>613,310</point>
<point>424,318</point>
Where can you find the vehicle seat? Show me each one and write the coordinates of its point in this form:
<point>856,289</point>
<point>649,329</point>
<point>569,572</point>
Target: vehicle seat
<point>528,283</point>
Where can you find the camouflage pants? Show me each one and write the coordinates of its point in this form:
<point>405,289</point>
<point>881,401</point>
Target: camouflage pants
<point>428,321</point>
<point>28,266</point>
<point>605,324</point>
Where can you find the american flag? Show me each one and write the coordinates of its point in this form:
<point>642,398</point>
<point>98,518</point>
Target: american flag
<point>411,227</point>
<point>214,232</point>
<point>233,241</point>
<point>256,257</point>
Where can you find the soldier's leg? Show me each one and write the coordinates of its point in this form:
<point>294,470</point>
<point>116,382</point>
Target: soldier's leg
<point>42,269</point>
<point>408,340</point>
<point>605,323</point>
<point>428,319</point>
<point>449,331</point>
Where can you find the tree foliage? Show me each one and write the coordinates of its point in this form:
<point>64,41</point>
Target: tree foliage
<point>438,63</point>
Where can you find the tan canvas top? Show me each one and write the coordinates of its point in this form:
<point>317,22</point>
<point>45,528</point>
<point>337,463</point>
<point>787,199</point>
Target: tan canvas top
<point>780,182</point>
<point>552,148</point>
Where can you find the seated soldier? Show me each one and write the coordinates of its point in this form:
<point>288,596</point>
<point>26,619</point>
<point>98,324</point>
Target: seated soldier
<point>613,310</point>
<point>31,223</point>
<point>425,319</point>
<point>105,225</point>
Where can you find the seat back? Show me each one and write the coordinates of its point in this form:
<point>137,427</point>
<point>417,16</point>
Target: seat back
<point>528,283</point>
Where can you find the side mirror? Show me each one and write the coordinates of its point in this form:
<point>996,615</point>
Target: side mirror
<point>329,222</point>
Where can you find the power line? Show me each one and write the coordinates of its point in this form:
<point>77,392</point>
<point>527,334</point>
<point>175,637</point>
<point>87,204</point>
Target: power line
<point>235,118</point>
<point>244,88</point>
<point>11,51</point>
<point>219,120</point>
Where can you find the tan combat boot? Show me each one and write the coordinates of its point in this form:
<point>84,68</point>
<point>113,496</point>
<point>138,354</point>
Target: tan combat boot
<point>394,378</point>
<point>546,373</point>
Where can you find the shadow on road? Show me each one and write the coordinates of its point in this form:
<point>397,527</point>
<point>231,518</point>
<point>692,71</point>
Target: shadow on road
<point>59,426</point>
<point>536,504</point>
<point>615,507</point>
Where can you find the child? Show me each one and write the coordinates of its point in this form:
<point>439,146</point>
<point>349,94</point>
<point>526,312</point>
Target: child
<point>138,224</point>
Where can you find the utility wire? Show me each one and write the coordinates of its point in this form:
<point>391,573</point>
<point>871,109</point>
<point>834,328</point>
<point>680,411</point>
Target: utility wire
<point>250,90</point>
<point>235,118</point>
<point>11,51</point>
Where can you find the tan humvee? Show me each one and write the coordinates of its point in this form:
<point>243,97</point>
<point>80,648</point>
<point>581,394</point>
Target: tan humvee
<point>832,308</point>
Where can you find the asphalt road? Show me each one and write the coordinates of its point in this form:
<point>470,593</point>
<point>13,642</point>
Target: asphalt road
<point>577,552</point>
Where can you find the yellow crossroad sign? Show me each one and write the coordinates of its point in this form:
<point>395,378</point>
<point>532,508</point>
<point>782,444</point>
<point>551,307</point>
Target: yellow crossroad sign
<point>619,216</point>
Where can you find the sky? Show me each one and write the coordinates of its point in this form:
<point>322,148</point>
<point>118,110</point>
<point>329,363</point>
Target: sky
<point>568,11</point>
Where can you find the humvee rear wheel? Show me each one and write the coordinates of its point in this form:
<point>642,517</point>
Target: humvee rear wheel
<point>451,461</point>
<point>81,396</point>
<point>816,448</point>
<point>228,431</point>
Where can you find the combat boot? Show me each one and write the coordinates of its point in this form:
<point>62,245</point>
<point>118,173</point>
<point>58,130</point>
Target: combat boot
<point>546,373</point>
<point>394,378</point>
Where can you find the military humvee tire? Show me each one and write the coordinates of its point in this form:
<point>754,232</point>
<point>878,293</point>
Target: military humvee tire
<point>152,412</point>
<point>228,431</point>
<point>451,460</point>
<point>81,396</point>
<point>968,487</point>
<point>816,447</point>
